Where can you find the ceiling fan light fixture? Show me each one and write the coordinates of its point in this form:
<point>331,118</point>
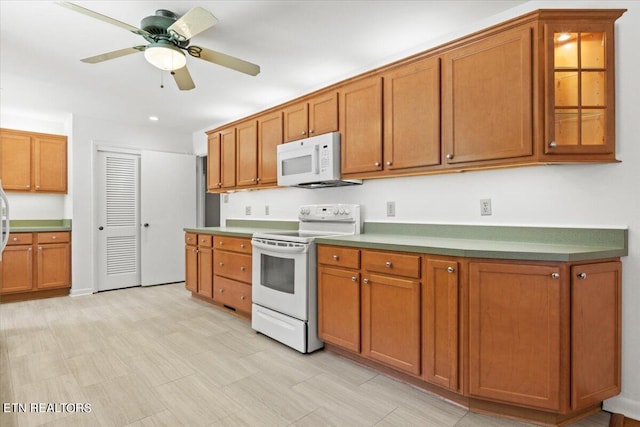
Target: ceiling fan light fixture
<point>165,56</point>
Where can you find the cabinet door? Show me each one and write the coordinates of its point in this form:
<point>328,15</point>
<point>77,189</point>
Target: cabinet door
<point>205,271</point>
<point>339,307</point>
<point>191,268</point>
<point>247,154</point>
<point>595,333</point>
<point>16,269</point>
<point>412,116</point>
<point>53,265</point>
<point>15,161</point>
<point>50,164</point>
<point>296,122</point>
<point>514,333</point>
<point>228,158</point>
<point>269,136</point>
<point>361,126</point>
<point>391,322</point>
<point>487,98</point>
<point>579,88</point>
<point>323,114</point>
<point>440,323</point>
<point>214,181</point>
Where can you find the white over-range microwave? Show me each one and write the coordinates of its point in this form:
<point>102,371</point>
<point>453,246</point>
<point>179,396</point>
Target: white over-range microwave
<point>311,163</point>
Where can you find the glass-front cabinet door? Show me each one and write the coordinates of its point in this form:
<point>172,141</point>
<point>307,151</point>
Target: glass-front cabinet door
<point>580,88</point>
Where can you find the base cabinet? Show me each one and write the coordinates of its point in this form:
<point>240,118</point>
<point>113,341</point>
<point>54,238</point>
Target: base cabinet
<point>34,264</point>
<point>538,341</point>
<point>199,264</point>
<point>232,273</point>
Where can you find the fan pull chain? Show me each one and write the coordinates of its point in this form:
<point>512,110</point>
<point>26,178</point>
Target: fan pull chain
<point>161,80</point>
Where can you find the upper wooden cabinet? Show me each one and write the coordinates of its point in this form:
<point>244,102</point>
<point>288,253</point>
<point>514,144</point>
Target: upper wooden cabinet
<point>228,158</point>
<point>33,162</point>
<point>487,98</point>
<point>361,126</point>
<point>214,182</point>
<point>247,153</point>
<point>269,136</point>
<point>535,89</point>
<point>311,117</point>
<point>412,116</point>
<point>579,83</point>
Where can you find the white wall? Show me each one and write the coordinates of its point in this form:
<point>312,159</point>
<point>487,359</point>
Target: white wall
<point>87,132</point>
<point>560,195</point>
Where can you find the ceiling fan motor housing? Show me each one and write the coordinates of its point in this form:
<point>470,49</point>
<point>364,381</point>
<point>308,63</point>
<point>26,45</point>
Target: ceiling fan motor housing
<point>156,25</point>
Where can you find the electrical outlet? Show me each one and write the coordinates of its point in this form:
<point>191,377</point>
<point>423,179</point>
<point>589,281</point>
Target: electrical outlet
<point>485,207</point>
<point>266,209</point>
<point>247,210</point>
<point>225,198</point>
<point>391,208</point>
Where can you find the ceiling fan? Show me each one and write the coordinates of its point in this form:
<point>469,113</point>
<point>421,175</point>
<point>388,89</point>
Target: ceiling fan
<point>168,36</point>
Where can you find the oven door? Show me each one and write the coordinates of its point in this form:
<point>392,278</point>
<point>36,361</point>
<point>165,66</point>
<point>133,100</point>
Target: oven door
<point>281,274</point>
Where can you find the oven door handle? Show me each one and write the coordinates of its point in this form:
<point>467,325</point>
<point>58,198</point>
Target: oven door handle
<point>280,249</point>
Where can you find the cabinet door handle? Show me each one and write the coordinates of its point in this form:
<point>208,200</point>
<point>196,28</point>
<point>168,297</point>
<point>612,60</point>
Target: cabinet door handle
<point>39,248</point>
<point>242,268</point>
<point>553,144</point>
<point>387,264</point>
<point>221,290</point>
<point>366,281</point>
<point>310,131</point>
<point>354,279</point>
<point>241,245</point>
<point>303,133</point>
<point>221,264</point>
<point>242,297</point>
<point>29,250</point>
<point>582,275</point>
<point>555,275</point>
<point>449,156</point>
<point>389,163</point>
<point>376,164</point>
<point>450,269</point>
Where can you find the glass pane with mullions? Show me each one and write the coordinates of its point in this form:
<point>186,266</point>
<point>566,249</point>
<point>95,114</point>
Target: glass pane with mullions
<point>566,88</point>
<point>592,47</point>
<point>593,89</point>
<point>565,50</point>
<point>593,127</point>
<point>566,127</point>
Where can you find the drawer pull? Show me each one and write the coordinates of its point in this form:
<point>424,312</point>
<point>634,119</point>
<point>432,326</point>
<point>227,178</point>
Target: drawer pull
<point>336,257</point>
<point>242,268</point>
<point>221,290</point>
<point>15,239</point>
<point>451,269</point>
<point>242,297</point>
<point>388,264</point>
<point>221,264</point>
<point>241,245</point>
<point>354,279</point>
<point>53,237</point>
<point>582,275</point>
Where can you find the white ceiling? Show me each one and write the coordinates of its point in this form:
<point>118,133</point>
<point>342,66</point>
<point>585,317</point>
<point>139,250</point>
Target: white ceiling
<point>300,46</point>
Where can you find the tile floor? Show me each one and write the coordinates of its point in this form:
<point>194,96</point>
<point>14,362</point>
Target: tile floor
<point>157,357</point>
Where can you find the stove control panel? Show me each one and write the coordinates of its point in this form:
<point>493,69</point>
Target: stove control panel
<point>330,212</point>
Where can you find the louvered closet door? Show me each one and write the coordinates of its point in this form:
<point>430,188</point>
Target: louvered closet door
<point>119,216</point>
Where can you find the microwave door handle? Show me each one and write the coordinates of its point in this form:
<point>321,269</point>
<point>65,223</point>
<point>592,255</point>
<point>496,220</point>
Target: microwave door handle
<point>279,249</point>
<point>316,159</point>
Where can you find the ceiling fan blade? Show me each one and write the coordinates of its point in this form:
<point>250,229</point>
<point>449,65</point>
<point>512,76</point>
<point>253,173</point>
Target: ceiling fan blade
<point>103,18</point>
<point>113,55</point>
<point>224,60</point>
<point>191,23</point>
<point>183,78</point>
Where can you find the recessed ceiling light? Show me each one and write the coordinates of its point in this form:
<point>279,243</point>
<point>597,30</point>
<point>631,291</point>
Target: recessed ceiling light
<point>154,118</point>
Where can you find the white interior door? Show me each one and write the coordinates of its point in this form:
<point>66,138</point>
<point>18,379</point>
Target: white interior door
<point>118,220</point>
<point>168,204</point>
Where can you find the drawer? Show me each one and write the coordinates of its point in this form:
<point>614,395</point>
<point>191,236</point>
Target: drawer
<point>339,256</point>
<point>20,239</point>
<point>53,237</point>
<point>236,244</point>
<point>393,263</point>
<point>190,238</point>
<point>205,240</point>
<point>233,294</point>
<point>232,265</point>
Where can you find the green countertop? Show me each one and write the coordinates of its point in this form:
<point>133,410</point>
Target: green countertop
<point>473,241</point>
<point>502,242</point>
<point>39,225</point>
<point>246,228</point>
